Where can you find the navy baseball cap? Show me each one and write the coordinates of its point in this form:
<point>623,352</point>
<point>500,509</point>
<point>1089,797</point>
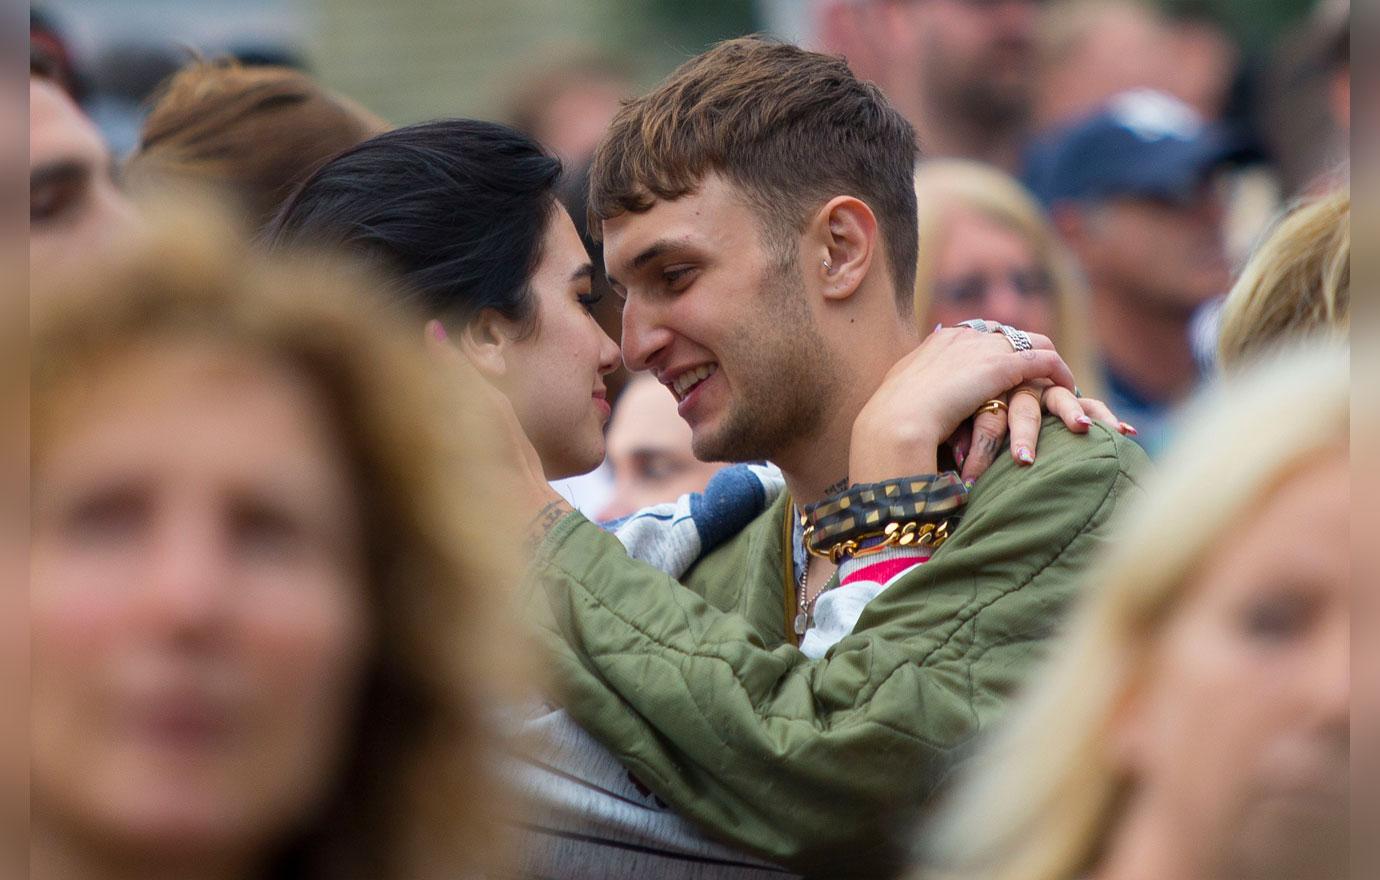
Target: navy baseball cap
<point>1140,143</point>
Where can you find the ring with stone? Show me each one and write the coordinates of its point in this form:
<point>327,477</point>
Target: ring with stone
<point>992,406</point>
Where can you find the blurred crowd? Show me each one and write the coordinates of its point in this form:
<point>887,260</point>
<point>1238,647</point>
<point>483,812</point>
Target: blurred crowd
<point>917,450</point>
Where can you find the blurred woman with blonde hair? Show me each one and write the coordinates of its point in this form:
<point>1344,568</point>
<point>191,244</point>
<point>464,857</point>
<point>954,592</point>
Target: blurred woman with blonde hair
<point>987,251</point>
<point>1194,722</point>
<point>1298,282</point>
<point>264,615</point>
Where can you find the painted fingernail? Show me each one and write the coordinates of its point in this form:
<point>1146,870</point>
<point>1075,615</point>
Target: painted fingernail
<point>1084,421</point>
<point>959,457</point>
<point>937,328</point>
<point>968,484</point>
<point>1127,429</point>
<point>438,331</point>
<point>1025,456</point>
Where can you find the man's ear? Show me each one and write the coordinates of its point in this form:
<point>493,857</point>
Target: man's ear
<point>485,341</point>
<point>843,239</point>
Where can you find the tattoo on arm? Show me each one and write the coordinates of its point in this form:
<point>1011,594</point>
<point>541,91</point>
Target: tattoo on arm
<point>542,524</point>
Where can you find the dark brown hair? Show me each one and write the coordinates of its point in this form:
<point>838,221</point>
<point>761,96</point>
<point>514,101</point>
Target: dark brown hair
<point>791,128</point>
<point>256,132</point>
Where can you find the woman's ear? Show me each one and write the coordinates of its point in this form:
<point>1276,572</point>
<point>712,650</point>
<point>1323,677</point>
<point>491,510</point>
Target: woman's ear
<point>844,234</point>
<point>484,342</point>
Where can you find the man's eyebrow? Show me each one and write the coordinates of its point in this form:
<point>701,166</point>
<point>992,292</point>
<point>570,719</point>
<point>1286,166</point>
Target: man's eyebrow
<point>651,252</point>
<point>57,172</point>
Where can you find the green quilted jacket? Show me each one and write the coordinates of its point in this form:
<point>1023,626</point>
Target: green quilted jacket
<point>823,766</point>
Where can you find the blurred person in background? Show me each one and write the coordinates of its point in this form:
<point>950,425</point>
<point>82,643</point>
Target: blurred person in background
<point>265,627</point>
<point>1307,105</point>
<point>75,205</point>
<point>566,105</point>
<point>466,214</point>
<point>1091,50</point>
<point>254,133</point>
<point>1194,722</point>
<point>986,248</point>
<point>961,71</point>
<point>1132,191</point>
<point>14,566</point>
<point>649,451</point>
<point>47,42</point>
<point>1297,283</point>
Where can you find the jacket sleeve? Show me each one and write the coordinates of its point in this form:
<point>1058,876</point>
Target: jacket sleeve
<point>823,765</point>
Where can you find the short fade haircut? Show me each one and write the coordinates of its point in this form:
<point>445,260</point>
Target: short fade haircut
<point>791,128</point>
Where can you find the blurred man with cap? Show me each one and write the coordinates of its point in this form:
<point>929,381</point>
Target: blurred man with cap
<point>1132,189</point>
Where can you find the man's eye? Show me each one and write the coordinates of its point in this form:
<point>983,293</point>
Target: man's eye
<point>48,202</point>
<point>678,278</point>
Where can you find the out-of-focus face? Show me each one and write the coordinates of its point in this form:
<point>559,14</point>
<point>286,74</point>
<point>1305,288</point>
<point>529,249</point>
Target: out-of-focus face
<point>978,56</point>
<point>1166,254</point>
<point>575,121</point>
<point>1239,735</point>
<point>650,452</point>
<point>198,606</point>
<point>988,270</point>
<point>555,376</point>
<point>74,205</point>
<point>712,311</point>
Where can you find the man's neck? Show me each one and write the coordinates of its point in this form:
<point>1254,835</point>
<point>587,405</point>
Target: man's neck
<point>1147,347</point>
<point>817,463</point>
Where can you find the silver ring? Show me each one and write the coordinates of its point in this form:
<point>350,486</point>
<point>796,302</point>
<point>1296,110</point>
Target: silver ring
<point>1019,339</point>
<point>978,324</point>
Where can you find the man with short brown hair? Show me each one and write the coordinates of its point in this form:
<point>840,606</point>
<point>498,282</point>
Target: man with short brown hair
<point>758,219</point>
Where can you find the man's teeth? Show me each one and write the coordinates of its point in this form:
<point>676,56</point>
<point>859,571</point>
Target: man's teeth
<point>690,378</point>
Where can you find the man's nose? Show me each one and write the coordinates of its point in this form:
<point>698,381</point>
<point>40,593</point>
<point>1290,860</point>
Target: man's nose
<point>644,336</point>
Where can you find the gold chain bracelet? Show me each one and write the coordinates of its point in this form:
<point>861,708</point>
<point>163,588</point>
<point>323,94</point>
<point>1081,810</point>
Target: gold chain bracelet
<point>911,534</point>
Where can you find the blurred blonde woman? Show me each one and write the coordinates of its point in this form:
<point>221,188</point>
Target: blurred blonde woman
<point>1194,720</point>
<point>1298,282</point>
<point>987,251</point>
<point>263,621</point>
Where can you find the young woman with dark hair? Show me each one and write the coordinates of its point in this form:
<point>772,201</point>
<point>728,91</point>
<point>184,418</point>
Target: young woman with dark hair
<point>465,212</point>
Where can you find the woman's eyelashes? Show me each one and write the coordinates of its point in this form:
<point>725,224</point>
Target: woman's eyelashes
<point>589,299</point>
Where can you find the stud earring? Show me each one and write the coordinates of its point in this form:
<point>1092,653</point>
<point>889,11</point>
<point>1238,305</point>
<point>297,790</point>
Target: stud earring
<point>828,266</point>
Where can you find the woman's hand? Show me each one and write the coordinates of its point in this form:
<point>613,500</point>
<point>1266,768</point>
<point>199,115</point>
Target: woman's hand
<point>929,397</point>
<point>977,444</point>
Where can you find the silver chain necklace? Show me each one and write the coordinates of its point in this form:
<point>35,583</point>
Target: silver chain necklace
<point>804,609</point>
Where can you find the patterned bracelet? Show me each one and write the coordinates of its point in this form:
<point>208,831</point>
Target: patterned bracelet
<point>838,525</point>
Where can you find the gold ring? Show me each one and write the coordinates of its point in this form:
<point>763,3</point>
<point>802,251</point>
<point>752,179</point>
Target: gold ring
<point>992,406</point>
<point>1039,396</point>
